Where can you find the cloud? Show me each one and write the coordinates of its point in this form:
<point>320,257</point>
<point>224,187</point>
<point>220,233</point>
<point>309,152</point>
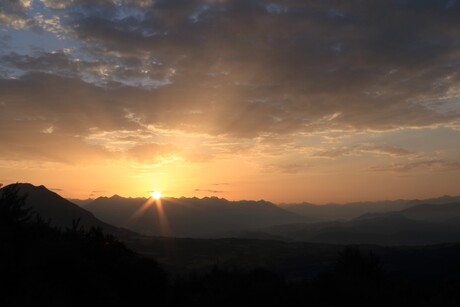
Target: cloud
<point>36,101</point>
<point>29,146</point>
<point>16,5</point>
<point>387,150</point>
<point>14,14</point>
<point>51,24</point>
<point>15,21</point>
<point>209,191</point>
<point>103,72</point>
<point>238,70</point>
<point>96,192</point>
<point>286,168</point>
<point>422,165</point>
<point>246,83</point>
<point>334,153</point>
<point>150,152</point>
<point>360,149</point>
<point>46,118</point>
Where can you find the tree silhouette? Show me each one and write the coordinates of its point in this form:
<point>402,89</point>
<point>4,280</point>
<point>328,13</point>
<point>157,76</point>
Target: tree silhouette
<point>357,267</point>
<point>12,206</point>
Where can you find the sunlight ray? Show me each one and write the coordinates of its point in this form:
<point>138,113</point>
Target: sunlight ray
<point>162,218</point>
<point>139,212</point>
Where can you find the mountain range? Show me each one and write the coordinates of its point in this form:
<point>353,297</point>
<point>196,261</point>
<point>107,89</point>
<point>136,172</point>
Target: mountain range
<point>415,222</point>
<point>352,210</point>
<point>189,217</point>
<point>418,225</point>
<point>399,222</point>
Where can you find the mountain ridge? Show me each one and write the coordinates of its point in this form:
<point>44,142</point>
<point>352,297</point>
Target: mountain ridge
<point>412,226</point>
<point>60,212</point>
<point>352,210</point>
<point>189,217</point>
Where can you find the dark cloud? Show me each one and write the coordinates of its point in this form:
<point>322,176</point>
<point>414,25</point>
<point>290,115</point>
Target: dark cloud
<point>105,72</point>
<point>251,68</point>
<point>57,62</point>
<point>95,193</point>
<point>209,191</point>
<point>13,14</point>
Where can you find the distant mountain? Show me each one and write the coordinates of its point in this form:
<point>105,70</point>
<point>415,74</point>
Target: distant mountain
<point>61,212</point>
<point>80,202</point>
<point>418,225</point>
<point>437,213</point>
<point>189,217</point>
<point>344,211</point>
<point>446,199</point>
<point>433,212</point>
<point>386,229</point>
<point>352,210</point>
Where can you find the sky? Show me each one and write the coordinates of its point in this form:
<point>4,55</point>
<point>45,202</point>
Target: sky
<point>287,101</point>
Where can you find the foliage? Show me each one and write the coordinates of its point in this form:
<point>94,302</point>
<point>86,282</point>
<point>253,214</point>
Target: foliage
<point>12,206</point>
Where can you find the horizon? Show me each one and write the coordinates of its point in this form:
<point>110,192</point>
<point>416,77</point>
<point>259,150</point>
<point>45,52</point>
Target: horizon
<point>93,195</point>
<point>286,101</point>
<point>166,197</point>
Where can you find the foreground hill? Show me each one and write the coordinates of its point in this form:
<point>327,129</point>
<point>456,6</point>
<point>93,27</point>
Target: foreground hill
<point>293,259</point>
<point>59,211</point>
<point>189,217</point>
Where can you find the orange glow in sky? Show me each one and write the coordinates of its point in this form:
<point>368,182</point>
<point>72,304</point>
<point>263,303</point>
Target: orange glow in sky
<point>282,102</point>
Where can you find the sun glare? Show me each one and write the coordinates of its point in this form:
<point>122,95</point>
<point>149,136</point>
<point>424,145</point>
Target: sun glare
<point>156,194</point>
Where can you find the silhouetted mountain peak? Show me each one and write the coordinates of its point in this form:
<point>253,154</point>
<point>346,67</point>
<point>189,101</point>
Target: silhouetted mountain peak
<point>29,186</point>
<point>58,210</point>
<point>40,190</point>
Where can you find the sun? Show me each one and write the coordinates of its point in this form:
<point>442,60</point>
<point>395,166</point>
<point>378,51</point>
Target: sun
<point>156,194</point>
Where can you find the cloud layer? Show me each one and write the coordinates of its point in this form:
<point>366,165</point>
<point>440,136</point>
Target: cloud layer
<point>142,80</point>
